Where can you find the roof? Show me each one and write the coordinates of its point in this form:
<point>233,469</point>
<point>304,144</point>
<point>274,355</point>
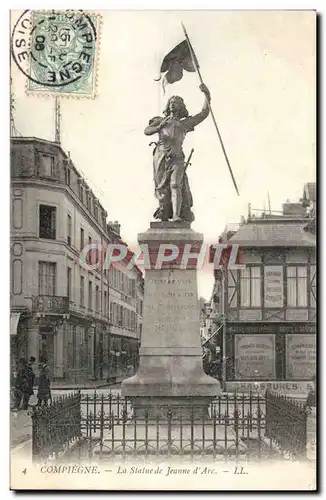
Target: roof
<point>32,140</point>
<point>278,233</point>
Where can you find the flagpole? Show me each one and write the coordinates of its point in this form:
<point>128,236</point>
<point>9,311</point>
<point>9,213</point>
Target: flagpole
<point>196,65</point>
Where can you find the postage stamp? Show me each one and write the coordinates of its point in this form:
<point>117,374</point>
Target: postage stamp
<point>57,51</point>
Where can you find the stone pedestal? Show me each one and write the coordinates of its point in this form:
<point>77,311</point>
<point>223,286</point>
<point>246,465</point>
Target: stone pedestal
<point>170,375</point>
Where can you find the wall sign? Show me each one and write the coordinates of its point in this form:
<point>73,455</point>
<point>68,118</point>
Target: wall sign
<point>300,356</point>
<point>273,286</point>
<point>299,388</point>
<point>255,357</point>
<point>249,328</point>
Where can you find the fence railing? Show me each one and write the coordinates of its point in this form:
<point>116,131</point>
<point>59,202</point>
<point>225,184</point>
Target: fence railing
<point>56,427</point>
<point>103,424</point>
<point>286,423</point>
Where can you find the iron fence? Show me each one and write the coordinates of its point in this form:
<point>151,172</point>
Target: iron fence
<point>286,423</point>
<point>56,427</point>
<point>103,425</point>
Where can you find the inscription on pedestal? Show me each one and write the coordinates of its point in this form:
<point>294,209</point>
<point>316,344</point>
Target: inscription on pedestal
<point>171,306</point>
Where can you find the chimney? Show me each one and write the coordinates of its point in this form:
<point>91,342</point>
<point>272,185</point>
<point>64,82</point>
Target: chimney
<point>115,226</point>
<point>293,209</point>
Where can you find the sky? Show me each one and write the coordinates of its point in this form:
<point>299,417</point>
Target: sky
<point>260,69</point>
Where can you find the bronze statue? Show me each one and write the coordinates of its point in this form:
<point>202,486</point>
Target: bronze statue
<point>171,182</point>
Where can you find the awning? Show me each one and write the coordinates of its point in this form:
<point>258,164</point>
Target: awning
<point>14,320</point>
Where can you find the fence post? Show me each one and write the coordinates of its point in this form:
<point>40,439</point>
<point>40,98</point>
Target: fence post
<point>236,429</point>
<point>169,415</point>
<point>35,435</point>
<point>214,434</point>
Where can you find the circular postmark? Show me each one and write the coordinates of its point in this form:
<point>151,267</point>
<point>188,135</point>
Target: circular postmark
<point>55,50</point>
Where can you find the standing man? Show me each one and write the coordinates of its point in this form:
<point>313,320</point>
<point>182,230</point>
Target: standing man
<point>44,389</point>
<point>29,377</point>
<point>19,383</point>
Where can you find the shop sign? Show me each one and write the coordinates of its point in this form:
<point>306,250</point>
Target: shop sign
<point>254,357</point>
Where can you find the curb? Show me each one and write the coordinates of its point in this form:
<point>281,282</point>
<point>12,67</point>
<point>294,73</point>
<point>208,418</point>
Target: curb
<point>82,387</point>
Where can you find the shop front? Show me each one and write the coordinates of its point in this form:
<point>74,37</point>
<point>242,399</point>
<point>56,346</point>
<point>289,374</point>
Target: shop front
<point>276,356</point>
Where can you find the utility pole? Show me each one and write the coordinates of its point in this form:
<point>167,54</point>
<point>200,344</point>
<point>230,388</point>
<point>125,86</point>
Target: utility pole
<point>12,121</point>
<point>13,130</point>
<point>224,302</point>
<point>57,120</point>
<point>269,203</point>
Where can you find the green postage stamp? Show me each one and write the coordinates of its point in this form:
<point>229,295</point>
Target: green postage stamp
<point>57,51</point>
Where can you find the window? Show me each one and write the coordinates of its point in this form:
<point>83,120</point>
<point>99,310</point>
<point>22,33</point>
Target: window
<point>90,296</point>
<point>297,286</point>
<point>82,291</point>
<point>313,286</point>
<point>47,222</point>
<point>89,252</point>
<point>69,229</point>
<point>133,288</point>
<point>69,282</point>
<point>88,201</point>
<point>250,286</point>
<point>82,238</point>
<point>47,165</point>
<point>97,298</point>
<point>105,303</point>
<point>95,211</point>
<point>111,312</point>
<point>115,277</point>
<point>47,278</point>
<point>81,192</point>
<point>67,176</point>
<point>120,316</point>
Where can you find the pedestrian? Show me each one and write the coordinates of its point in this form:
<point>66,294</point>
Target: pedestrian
<point>44,389</point>
<point>19,383</point>
<point>28,382</point>
<point>311,399</point>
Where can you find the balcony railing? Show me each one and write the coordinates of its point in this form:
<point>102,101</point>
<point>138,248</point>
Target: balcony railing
<point>51,304</point>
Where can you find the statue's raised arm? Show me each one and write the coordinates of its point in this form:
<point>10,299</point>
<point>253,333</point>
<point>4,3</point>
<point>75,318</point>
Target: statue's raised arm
<point>199,117</point>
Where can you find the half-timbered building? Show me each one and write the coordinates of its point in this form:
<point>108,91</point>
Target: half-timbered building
<point>269,337</point>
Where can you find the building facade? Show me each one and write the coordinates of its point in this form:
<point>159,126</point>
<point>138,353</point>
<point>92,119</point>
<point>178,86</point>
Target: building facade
<point>60,308</point>
<point>269,335</point>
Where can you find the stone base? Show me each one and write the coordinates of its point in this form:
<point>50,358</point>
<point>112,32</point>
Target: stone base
<point>149,392</point>
<point>170,372</point>
<point>168,407</point>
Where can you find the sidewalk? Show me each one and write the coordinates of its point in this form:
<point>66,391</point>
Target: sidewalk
<point>20,427</point>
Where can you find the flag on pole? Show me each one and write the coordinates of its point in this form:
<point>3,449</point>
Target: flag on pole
<point>175,62</point>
